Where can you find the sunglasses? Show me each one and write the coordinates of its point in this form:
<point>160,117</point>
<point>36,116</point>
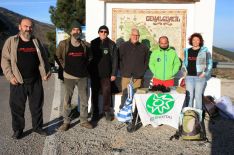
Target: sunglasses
<point>103,31</point>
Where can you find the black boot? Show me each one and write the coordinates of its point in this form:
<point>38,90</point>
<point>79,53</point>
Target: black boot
<point>17,134</point>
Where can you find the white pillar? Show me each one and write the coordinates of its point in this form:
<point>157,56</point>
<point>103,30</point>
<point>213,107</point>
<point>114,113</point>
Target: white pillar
<point>204,20</point>
<point>95,17</point>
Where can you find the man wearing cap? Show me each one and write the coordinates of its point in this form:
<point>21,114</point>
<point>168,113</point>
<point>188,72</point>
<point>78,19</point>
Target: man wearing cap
<point>74,56</point>
<point>103,70</point>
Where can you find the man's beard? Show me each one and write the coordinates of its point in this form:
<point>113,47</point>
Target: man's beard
<point>164,48</point>
<point>77,36</point>
<point>26,34</point>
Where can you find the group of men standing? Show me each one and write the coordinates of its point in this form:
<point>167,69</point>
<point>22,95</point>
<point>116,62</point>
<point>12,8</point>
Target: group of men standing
<point>101,60</point>
<point>24,61</point>
<point>102,65</point>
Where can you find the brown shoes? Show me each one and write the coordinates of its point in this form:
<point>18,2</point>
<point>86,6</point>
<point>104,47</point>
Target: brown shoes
<point>86,125</point>
<point>64,127</point>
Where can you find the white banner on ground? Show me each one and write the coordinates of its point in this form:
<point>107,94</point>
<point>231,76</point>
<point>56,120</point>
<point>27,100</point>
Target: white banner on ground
<point>156,109</point>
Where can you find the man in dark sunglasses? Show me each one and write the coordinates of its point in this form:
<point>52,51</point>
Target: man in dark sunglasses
<point>103,70</point>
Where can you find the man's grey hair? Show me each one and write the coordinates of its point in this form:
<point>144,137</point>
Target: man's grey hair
<point>135,30</point>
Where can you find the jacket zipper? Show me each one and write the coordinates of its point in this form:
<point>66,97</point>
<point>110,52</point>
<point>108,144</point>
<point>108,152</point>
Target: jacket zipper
<point>164,67</point>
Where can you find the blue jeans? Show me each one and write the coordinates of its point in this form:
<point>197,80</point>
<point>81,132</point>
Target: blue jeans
<point>195,88</point>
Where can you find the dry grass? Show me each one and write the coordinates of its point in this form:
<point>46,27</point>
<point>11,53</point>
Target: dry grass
<point>224,73</point>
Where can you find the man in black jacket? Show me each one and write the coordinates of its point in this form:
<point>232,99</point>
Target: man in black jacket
<point>133,60</point>
<point>103,70</point>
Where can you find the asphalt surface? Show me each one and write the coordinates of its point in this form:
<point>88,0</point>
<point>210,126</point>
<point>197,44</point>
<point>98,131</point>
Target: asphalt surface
<point>110,138</point>
<point>31,143</point>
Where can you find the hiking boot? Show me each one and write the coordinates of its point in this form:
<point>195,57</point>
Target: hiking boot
<point>86,125</point>
<point>109,116</point>
<point>17,134</point>
<point>64,127</point>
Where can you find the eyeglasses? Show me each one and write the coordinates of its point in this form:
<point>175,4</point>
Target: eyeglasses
<point>103,31</point>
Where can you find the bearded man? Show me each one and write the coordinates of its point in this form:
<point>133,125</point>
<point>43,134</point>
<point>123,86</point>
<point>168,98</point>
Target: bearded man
<point>25,65</point>
<point>74,56</point>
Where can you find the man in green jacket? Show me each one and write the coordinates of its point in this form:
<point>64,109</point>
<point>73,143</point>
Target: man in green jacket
<point>164,63</point>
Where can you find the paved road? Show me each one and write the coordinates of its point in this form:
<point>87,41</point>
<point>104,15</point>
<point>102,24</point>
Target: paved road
<point>32,143</point>
<point>106,138</point>
<point>223,65</point>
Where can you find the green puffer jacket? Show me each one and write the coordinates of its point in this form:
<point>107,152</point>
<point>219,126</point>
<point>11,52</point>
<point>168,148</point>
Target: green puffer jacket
<point>164,64</point>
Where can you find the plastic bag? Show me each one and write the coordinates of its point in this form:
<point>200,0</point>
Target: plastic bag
<point>225,106</point>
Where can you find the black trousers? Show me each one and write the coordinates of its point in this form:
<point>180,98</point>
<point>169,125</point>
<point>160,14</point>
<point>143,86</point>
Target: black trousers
<point>103,84</point>
<point>33,90</point>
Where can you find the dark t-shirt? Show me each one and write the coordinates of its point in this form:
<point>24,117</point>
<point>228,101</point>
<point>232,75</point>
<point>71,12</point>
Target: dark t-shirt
<point>27,59</point>
<point>76,61</point>
<point>192,57</point>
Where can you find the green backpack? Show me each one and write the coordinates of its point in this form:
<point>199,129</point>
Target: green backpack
<point>191,126</point>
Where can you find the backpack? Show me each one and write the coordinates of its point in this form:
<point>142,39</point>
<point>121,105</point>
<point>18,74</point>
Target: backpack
<point>191,127</point>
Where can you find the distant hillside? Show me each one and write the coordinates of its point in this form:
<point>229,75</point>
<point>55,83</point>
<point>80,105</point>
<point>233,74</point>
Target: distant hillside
<point>220,54</point>
<point>9,26</point>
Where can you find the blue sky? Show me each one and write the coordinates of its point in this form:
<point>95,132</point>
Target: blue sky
<point>224,17</point>
<point>36,9</point>
<point>224,24</point>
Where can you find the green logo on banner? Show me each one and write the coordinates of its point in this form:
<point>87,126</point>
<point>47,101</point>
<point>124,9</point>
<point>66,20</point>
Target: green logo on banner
<point>159,104</point>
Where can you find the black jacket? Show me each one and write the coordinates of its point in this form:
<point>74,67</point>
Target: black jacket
<point>133,59</point>
<point>105,58</point>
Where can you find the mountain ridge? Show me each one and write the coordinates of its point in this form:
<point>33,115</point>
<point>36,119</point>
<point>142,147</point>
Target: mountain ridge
<point>220,54</point>
<point>9,22</point>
